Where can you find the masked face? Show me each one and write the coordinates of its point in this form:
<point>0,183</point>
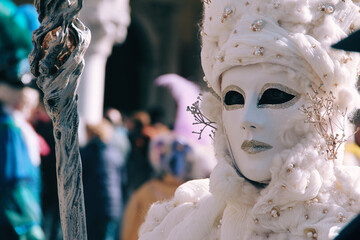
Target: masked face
<point>258,100</point>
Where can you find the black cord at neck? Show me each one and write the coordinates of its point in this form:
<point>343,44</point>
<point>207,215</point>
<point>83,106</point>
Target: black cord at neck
<point>254,183</point>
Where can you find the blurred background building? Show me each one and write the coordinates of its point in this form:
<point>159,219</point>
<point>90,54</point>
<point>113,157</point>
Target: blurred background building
<point>163,37</point>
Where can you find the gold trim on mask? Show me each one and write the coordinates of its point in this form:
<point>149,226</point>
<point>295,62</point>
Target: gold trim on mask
<point>232,88</point>
<point>282,88</point>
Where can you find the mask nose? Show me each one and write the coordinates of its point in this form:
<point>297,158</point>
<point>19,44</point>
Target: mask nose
<point>249,125</point>
<point>252,119</point>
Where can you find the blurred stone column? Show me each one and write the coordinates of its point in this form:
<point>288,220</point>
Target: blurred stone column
<point>108,21</point>
<point>161,18</point>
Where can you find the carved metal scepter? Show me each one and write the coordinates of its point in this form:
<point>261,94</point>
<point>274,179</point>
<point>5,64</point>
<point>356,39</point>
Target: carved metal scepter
<point>57,62</point>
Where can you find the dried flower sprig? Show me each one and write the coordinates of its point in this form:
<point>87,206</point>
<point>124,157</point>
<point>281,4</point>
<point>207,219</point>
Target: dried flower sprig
<point>201,119</point>
<point>326,116</point>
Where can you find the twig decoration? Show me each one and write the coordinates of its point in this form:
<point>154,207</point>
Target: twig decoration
<point>201,119</point>
<point>327,119</point>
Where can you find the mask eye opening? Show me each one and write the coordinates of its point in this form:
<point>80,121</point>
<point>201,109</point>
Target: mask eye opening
<point>275,95</point>
<point>233,98</point>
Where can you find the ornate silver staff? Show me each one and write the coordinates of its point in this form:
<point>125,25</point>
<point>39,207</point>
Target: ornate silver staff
<point>57,62</point>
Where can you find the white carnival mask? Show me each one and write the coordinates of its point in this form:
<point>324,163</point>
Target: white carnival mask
<point>258,101</point>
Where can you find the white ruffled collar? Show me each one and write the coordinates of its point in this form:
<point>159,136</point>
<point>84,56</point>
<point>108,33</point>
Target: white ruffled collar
<point>307,193</point>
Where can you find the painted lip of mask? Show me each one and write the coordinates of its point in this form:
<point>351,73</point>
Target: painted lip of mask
<point>253,146</point>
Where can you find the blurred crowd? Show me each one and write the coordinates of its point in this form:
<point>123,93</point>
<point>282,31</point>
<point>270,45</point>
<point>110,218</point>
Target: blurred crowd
<point>127,166</point>
<point>129,160</point>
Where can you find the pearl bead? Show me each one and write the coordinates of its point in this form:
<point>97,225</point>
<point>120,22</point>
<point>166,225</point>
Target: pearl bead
<point>275,212</point>
<point>341,217</point>
<point>257,25</point>
<point>259,51</point>
<point>228,11</point>
<point>276,4</point>
<point>328,8</point>
<point>220,58</point>
<point>290,168</point>
<point>311,233</point>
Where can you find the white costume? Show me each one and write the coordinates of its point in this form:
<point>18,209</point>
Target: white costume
<point>272,182</point>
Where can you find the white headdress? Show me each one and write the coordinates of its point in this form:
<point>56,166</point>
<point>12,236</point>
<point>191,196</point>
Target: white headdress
<point>294,34</point>
<point>298,36</point>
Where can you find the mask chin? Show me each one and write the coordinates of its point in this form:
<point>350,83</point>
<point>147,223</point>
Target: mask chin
<point>254,183</point>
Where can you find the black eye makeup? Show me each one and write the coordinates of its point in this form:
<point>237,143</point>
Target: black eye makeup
<point>277,96</point>
<point>233,98</point>
<point>272,95</point>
